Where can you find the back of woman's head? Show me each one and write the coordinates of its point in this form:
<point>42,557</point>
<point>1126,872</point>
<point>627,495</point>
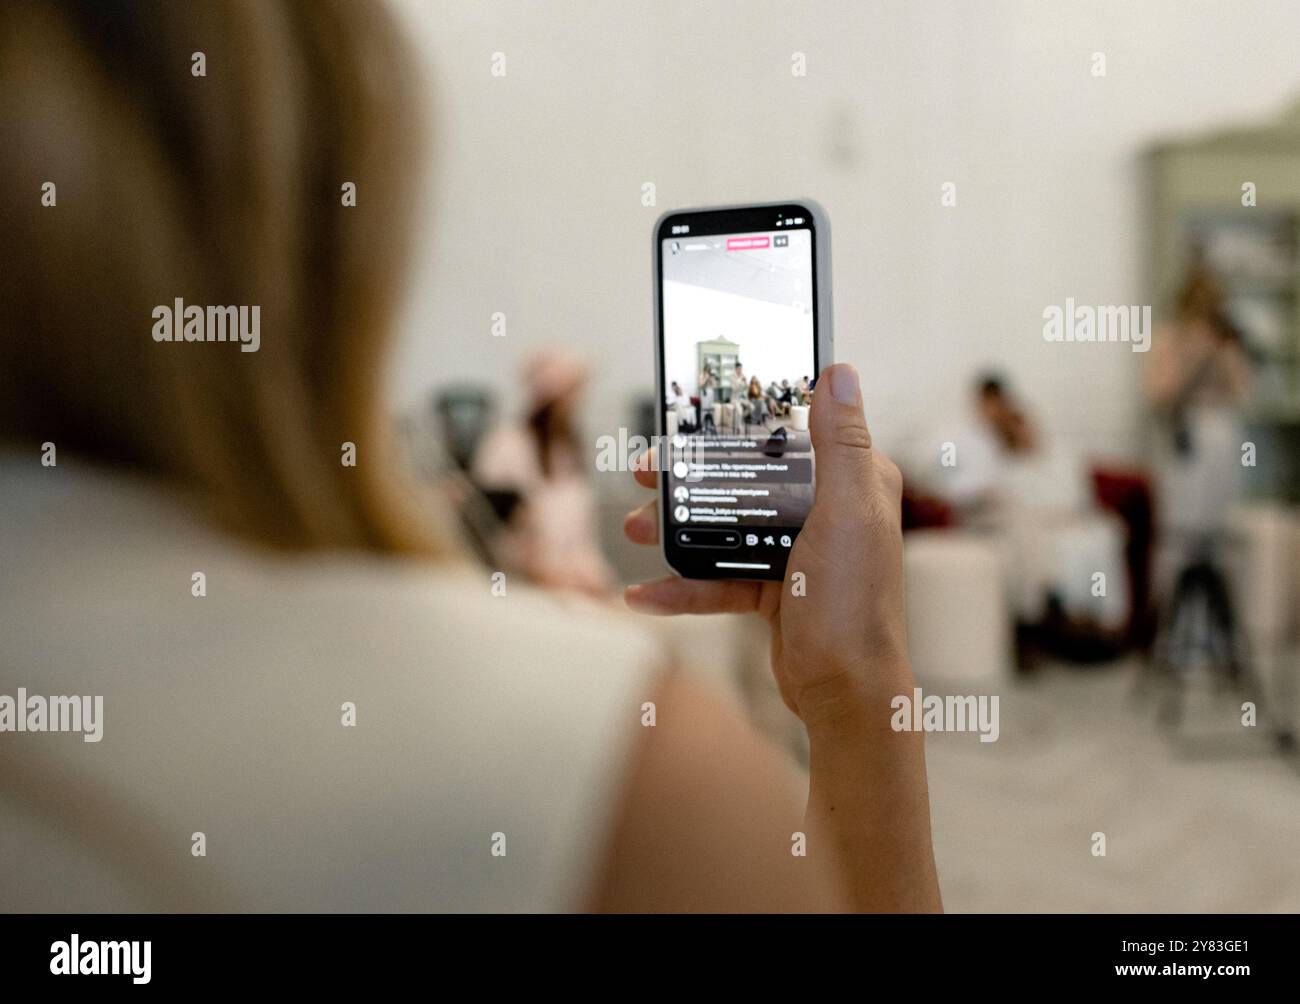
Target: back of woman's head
<point>207,152</point>
<point>1201,296</point>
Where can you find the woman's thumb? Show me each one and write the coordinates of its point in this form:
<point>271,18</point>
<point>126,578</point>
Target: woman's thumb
<point>840,439</point>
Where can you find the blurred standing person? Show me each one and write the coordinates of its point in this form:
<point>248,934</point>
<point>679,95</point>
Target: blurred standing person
<point>736,407</point>
<point>552,535</point>
<point>707,399</point>
<point>1198,381</point>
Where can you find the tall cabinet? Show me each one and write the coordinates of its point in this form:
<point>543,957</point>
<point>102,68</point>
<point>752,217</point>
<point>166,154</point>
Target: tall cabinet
<point>719,358</point>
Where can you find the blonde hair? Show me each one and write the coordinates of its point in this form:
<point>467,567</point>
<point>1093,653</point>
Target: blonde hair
<point>221,189</point>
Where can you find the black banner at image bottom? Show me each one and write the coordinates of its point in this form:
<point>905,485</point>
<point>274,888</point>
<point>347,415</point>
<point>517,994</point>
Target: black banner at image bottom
<point>182,952</point>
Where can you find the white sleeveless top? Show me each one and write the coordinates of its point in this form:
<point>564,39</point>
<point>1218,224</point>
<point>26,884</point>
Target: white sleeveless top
<point>484,724</point>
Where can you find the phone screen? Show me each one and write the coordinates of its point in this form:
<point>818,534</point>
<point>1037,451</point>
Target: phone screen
<point>738,327</point>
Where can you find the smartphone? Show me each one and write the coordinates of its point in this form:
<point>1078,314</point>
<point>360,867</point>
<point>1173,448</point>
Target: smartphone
<point>743,327</point>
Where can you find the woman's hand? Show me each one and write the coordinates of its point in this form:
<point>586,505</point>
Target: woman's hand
<point>839,652</point>
<point>839,644</point>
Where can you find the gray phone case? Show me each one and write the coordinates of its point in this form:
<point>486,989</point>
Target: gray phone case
<point>825,325</point>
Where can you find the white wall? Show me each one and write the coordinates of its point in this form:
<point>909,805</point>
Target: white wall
<point>699,98</point>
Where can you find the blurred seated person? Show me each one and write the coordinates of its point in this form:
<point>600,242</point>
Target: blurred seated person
<point>739,382</point>
<point>551,536</point>
<point>680,404</point>
<point>968,474</point>
<point>757,402</point>
<point>1035,498</point>
<point>1003,418</point>
<point>775,407</point>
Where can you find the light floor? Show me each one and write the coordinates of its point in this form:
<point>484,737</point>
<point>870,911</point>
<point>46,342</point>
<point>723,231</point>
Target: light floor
<point>1078,753</point>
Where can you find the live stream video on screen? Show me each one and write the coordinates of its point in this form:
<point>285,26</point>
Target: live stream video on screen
<point>738,361</point>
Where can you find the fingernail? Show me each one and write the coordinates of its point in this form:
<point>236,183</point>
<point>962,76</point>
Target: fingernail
<point>844,383</point>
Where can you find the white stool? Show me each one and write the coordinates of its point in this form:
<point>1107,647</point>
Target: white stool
<point>958,624</point>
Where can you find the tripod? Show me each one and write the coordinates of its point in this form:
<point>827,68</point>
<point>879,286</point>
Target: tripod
<point>1198,630</point>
